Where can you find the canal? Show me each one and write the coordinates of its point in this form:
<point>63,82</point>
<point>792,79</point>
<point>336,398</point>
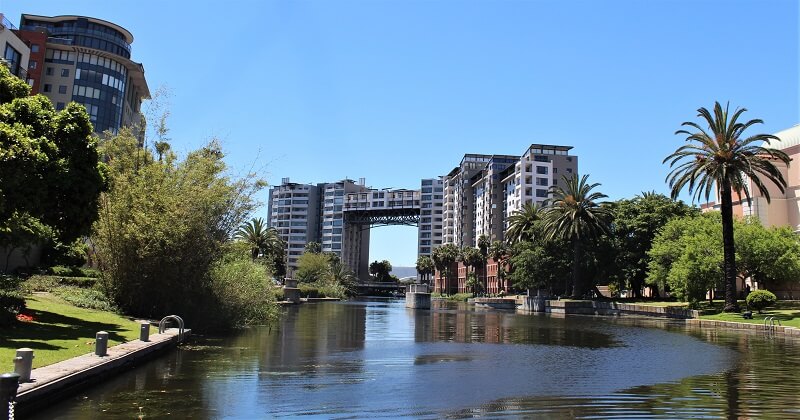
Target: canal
<point>378,359</point>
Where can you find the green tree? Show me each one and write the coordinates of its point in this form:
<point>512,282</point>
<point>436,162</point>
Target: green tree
<point>521,222</point>
<point>539,264</point>
<point>483,247</point>
<point>769,256</point>
<point>254,233</point>
<point>49,166</point>
<point>687,256</point>
<point>163,226</point>
<point>636,222</point>
<point>313,247</point>
<point>425,267</point>
<point>721,159</point>
<point>443,258</point>
<point>574,215</point>
<point>381,270</point>
<point>22,232</point>
<point>313,267</point>
<point>341,275</point>
<point>472,258</point>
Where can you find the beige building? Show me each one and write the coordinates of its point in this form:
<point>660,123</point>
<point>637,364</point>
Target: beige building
<point>784,207</point>
<point>16,52</point>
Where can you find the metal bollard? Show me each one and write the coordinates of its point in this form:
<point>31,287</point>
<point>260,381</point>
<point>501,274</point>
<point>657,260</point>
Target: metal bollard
<point>9,382</point>
<point>101,343</point>
<point>144,331</point>
<point>23,364</point>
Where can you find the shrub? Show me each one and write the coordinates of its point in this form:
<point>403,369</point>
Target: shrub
<point>63,271</point>
<point>760,299</point>
<point>85,298</point>
<point>243,293</point>
<point>11,304</point>
<point>40,283</point>
<point>308,290</point>
<point>66,254</point>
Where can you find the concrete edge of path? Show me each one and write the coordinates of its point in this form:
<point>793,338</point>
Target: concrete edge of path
<point>53,382</point>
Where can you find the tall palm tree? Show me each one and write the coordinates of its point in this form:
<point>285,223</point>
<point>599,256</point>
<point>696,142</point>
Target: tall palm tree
<point>254,233</point>
<point>574,214</point>
<point>521,221</point>
<point>443,258</point>
<point>722,161</point>
<point>483,247</point>
<point>472,258</point>
<point>498,251</point>
<point>425,267</point>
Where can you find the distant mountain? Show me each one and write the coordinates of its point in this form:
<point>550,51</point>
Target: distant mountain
<point>401,272</point>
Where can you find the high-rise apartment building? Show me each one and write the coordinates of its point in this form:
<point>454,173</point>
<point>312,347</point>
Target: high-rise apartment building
<point>484,190</point>
<point>431,219</point>
<point>293,210</point>
<point>349,241</point>
<point>16,52</point>
<point>85,60</point>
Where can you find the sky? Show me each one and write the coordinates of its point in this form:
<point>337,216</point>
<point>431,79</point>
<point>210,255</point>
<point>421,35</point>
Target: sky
<point>395,91</point>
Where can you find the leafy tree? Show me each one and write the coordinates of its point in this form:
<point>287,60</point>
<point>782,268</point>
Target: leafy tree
<point>722,160</point>
<point>443,258</point>
<point>769,256</point>
<point>574,215</point>
<point>636,223</point>
<point>473,283</point>
<point>539,264</point>
<point>313,267</point>
<point>687,256</point>
<point>472,258</point>
<point>425,267</point>
<point>163,226</point>
<point>521,222</point>
<point>313,247</point>
<point>21,231</point>
<point>341,275</point>
<point>381,270</point>
<point>49,166</point>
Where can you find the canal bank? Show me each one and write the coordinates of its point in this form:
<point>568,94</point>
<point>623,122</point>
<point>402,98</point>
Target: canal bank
<point>56,381</point>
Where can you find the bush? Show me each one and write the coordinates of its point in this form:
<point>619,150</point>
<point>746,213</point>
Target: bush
<point>67,255</point>
<point>11,304</point>
<point>308,290</point>
<point>85,298</point>
<point>243,293</point>
<point>60,270</point>
<point>760,299</point>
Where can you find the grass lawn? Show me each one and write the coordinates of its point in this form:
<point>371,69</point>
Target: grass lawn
<point>61,331</point>
<point>787,311</point>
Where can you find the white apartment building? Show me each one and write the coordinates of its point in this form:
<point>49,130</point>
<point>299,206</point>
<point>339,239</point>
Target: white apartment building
<point>350,242</point>
<point>488,207</point>
<point>540,167</point>
<point>293,210</point>
<point>431,222</point>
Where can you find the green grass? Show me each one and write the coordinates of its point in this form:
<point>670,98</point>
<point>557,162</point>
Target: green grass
<point>787,311</point>
<point>61,331</point>
<point>458,297</point>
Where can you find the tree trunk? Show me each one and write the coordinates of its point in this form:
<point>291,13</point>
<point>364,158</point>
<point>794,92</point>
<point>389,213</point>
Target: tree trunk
<point>577,283</point>
<point>728,247</point>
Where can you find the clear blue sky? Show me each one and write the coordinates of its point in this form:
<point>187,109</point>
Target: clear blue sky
<point>399,90</point>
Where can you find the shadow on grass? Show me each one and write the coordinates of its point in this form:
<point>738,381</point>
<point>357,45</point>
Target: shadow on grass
<point>52,326</point>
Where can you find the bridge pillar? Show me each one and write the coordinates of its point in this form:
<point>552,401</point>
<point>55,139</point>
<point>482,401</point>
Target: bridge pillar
<point>417,297</point>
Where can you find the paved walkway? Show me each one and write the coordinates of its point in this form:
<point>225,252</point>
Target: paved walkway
<point>59,376</point>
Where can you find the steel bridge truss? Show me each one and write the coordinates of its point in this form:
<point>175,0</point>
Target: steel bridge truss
<point>367,219</point>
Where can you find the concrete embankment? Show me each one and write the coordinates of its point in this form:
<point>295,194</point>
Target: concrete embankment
<point>56,381</point>
<point>590,307</point>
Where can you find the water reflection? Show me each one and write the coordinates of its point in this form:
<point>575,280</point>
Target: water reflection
<point>373,359</point>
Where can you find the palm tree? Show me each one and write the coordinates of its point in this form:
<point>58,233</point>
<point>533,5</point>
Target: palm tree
<point>483,248</point>
<point>341,274</point>
<point>722,161</point>
<point>575,215</point>
<point>498,251</point>
<point>425,266</point>
<point>521,221</point>
<point>472,258</point>
<point>254,233</point>
<point>443,257</point>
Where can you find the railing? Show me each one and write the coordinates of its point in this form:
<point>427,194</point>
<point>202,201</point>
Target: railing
<point>163,324</point>
<point>7,23</point>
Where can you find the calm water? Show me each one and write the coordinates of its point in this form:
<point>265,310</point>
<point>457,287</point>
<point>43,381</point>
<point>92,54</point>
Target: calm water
<point>379,359</point>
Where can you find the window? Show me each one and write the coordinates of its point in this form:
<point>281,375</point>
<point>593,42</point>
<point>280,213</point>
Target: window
<point>47,88</point>
<point>64,72</point>
<point>59,106</point>
<point>62,89</point>
<point>569,170</point>
<point>34,48</point>
<point>541,181</point>
<point>541,193</point>
<point>48,71</point>
<point>14,59</point>
<point>32,65</point>
<point>541,170</point>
